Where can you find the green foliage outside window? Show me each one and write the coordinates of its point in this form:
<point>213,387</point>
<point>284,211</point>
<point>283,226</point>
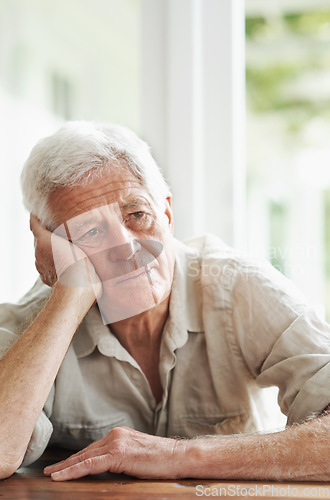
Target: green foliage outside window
<point>282,54</point>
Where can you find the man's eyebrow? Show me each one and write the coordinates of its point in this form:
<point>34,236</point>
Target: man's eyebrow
<point>81,224</point>
<point>135,203</point>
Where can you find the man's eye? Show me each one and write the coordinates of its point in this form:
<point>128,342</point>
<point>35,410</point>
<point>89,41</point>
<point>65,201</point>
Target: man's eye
<point>135,217</point>
<point>138,220</point>
<point>90,234</point>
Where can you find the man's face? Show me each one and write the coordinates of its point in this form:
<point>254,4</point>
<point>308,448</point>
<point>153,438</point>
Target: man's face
<point>126,237</point>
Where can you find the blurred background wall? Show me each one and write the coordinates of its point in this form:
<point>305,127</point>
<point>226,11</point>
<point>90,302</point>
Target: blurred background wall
<point>233,97</point>
<point>62,60</point>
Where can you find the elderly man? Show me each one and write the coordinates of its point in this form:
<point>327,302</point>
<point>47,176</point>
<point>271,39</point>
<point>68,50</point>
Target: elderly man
<point>139,340</point>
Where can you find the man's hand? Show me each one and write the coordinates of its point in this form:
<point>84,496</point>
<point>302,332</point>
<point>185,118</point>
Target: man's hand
<point>127,451</point>
<point>44,261</point>
<point>56,258</point>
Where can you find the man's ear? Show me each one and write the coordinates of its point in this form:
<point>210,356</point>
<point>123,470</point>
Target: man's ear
<point>169,212</point>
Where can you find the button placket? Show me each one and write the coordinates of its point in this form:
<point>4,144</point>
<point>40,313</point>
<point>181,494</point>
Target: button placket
<point>160,417</point>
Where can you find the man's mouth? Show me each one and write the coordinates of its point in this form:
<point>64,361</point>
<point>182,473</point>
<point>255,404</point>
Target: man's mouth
<point>135,274</point>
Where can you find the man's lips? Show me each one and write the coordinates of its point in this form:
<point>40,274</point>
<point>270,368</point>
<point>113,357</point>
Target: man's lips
<point>135,274</point>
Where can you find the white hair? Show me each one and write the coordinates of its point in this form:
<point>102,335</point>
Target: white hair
<point>78,152</point>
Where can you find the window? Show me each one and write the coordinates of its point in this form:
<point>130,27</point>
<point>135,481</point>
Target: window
<point>288,148</point>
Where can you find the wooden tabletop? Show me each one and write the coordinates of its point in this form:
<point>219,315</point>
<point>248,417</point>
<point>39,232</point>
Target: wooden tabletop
<point>29,483</point>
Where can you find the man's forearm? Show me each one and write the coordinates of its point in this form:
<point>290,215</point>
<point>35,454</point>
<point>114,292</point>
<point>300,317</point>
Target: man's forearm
<point>28,370</point>
<point>297,453</point>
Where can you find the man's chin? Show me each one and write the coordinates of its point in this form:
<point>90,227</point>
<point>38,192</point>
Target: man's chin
<point>116,306</point>
<point>113,314</point>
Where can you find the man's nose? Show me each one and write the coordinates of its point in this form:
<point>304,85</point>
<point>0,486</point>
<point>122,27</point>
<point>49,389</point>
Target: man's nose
<point>124,251</point>
<point>122,246</point>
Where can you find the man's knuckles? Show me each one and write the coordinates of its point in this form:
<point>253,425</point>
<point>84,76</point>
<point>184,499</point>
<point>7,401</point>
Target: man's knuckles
<point>40,254</point>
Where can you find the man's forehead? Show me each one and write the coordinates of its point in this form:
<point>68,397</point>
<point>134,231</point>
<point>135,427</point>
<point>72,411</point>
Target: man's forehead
<point>92,190</point>
<point>93,215</point>
<point>69,202</point>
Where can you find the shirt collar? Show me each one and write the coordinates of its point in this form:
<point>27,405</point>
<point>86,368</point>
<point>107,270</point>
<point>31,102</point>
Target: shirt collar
<point>185,311</point>
<point>89,333</point>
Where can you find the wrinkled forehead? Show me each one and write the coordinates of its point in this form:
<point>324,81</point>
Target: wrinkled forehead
<point>114,187</point>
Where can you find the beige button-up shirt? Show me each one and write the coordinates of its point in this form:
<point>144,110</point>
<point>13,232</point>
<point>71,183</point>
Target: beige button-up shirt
<point>234,326</point>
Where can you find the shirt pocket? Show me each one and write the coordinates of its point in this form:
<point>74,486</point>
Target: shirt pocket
<point>231,423</point>
<point>77,436</point>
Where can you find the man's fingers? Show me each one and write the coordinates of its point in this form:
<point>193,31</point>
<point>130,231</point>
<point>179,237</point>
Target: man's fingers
<point>82,455</point>
<point>36,226</point>
<point>56,258</point>
<point>64,464</point>
<point>93,465</point>
<point>33,221</point>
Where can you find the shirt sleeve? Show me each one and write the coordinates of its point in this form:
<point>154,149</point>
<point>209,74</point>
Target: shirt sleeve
<point>7,340</point>
<point>39,440</point>
<point>282,340</point>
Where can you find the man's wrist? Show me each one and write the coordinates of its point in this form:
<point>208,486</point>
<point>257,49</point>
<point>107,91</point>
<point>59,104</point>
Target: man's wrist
<point>75,298</point>
<point>191,458</point>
